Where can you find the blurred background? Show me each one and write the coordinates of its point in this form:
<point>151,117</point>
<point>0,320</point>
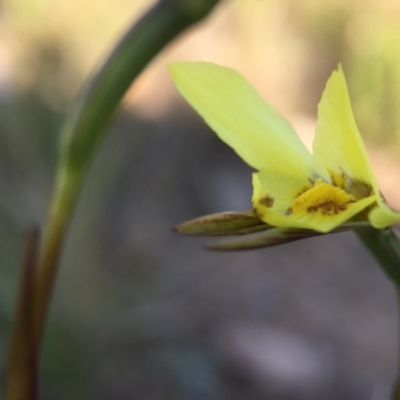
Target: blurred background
<point>141,313</point>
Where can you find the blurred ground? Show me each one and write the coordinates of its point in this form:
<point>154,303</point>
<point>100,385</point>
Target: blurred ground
<point>141,313</point>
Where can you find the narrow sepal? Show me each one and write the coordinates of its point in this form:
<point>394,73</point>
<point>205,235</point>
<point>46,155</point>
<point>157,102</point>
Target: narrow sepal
<point>275,236</point>
<point>268,238</point>
<point>223,224</point>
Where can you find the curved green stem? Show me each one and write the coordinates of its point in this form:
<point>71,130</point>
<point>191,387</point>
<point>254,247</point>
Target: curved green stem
<point>82,134</point>
<point>88,119</point>
<point>92,112</point>
<point>64,199</point>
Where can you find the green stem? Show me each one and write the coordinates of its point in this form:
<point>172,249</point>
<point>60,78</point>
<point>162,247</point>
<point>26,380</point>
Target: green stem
<point>84,129</point>
<point>92,112</point>
<point>385,247</point>
<point>86,124</point>
<point>21,377</point>
<point>63,202</point>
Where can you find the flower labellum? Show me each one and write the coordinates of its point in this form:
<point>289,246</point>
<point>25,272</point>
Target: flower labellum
<point>292,189</point>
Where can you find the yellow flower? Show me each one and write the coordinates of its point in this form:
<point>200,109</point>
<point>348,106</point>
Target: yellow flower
<point>292,188</point>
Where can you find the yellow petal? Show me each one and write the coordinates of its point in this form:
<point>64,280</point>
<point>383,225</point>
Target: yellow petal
<point>382,216</point>
<point>240,117</point>
<point>274,195</point>
<point>337,145</point>
<point>315,221</point>
<point>276,192</point>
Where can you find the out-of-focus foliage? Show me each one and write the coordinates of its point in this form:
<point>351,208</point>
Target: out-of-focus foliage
<point>288,48</point>
<point>53,45</point>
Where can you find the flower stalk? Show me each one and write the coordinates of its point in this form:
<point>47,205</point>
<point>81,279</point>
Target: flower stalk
<point>86,124</point>
<point>21,378</point>
<point>83,132</point>
<point>384,245</point>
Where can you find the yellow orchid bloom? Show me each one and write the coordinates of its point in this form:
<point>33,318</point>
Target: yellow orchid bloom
<point>292,188</point>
